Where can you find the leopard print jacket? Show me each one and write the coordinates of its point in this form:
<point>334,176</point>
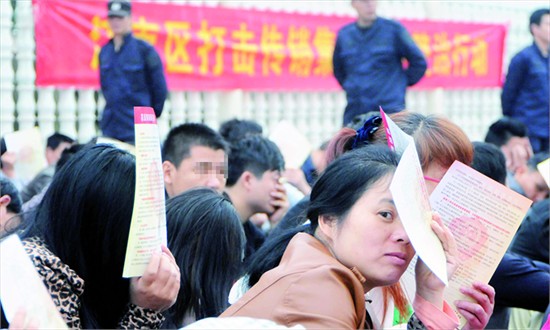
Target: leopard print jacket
<point>66,287</point>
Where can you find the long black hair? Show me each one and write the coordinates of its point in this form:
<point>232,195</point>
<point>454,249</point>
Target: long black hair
<point>335,192</point>
<point>84,219</point>
<point>207,240</point>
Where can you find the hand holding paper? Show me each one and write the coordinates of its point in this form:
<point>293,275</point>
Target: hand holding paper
<point>148,226</point>
<point>484,296</point>
<point>427,284</point>
<point>483,215</point>
<point>158,288</point>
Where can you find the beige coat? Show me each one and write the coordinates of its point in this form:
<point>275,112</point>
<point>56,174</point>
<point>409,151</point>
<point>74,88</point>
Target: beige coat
<point>309,287</point>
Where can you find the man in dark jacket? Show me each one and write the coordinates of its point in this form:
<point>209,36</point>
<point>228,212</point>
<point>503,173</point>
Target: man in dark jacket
<point>131,74</point>
<point>368,62</point>
<point>526,95</point>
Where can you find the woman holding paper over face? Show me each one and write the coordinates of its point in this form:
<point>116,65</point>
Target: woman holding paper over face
<point>77,242</point>
<point>439,142</point>
<point>354,243</point>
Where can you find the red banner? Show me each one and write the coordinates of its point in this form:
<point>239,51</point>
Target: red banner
<point>217,48</point>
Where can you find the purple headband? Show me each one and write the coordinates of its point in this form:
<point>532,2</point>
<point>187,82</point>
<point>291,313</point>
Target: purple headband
<point>364,134</point>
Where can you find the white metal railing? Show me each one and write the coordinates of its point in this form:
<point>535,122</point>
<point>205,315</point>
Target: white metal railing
<point>318,115</point>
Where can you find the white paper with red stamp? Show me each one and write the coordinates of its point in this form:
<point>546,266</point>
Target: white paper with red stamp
<point>483,216</point>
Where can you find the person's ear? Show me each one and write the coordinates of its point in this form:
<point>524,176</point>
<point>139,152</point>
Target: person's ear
<point>50,154</point>
<point>532,28</point>
<point>168,170</point>
<point>247,180</point>
<point>5,200</point>
<point>327,225</point>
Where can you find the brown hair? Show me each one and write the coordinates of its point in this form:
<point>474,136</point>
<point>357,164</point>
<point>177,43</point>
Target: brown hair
<point>339,144</point>
<point>437,139</point>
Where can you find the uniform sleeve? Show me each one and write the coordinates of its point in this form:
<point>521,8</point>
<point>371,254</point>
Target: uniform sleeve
<point>410,51</point>
<point>102,80</point>
<point>140,318</point>
<point>512,85</point>
<point>156,80</point>
<point>333,290</point>
<point>338,62</point>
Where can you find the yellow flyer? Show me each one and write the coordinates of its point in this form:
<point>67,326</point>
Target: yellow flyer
<point>148,227</point>
<point>22,288</point>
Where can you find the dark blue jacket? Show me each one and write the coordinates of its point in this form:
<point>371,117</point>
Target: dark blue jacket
<point>133,76</point>
<point>525,95</point>
<point>368,65</point>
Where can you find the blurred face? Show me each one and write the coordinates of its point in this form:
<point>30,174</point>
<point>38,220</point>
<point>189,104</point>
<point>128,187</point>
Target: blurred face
<point>120,25</point>
<point>205,167</point>
<point>366,11</point>
<point>372,237</point>
<point>261,190</point>
<point>542,32</point>
<point>532,183</point>
<point>53,155</point>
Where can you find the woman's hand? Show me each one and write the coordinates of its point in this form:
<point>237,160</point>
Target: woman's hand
<point>158,288</point>
<point>428,285</point>
<point>477,313</point>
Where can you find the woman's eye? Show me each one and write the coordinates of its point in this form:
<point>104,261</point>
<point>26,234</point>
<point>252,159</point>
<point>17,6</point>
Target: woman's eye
<point>386,215</point>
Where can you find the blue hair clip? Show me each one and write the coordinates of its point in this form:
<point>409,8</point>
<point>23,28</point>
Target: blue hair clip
<point>364,134</point>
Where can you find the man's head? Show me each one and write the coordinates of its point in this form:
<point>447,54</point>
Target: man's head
<point>490,161</point>
<point>235,130</point>
<point>194,155</point>
<point>539,25</point>
<point>255,166</point>
<point>120,16</point>
<point>531,180</point>
<point>510,135</point>
<point>55,145</point>
<point>502,130</point>
<point>366,11</point>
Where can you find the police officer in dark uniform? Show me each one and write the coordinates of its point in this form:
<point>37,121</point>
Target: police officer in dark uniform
<point>131,74</point>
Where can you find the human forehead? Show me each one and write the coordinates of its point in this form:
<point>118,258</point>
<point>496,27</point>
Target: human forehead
<point>198,153</point>
<point>120,18</point>
<point>379,191</point>
<point>435,170</point>
<point>377,195</point>
<point>272,174</point>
